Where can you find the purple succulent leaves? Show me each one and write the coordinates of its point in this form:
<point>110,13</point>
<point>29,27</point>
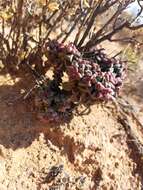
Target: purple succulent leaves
<point>92,76</point>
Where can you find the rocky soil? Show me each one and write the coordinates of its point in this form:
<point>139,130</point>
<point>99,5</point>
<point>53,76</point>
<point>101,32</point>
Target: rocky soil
<point>100,148</point>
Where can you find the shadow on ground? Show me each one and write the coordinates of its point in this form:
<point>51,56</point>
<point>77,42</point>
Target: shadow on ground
<point>19,125</point>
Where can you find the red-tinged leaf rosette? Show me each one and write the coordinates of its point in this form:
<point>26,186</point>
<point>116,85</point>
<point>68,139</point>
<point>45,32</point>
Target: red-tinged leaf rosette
<point>91,76</point>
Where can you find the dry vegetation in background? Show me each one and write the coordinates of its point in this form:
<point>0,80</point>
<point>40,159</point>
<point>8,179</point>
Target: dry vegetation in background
<point>102,145</point>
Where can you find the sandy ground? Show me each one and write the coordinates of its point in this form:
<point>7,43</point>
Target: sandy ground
<point>91,152</point>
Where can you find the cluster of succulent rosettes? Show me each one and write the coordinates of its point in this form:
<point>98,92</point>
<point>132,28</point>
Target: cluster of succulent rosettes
<point>93,73</point>
<point>91,76</point>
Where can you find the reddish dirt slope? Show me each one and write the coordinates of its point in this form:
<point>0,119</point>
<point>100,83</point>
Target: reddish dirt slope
<point>95,150</point>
